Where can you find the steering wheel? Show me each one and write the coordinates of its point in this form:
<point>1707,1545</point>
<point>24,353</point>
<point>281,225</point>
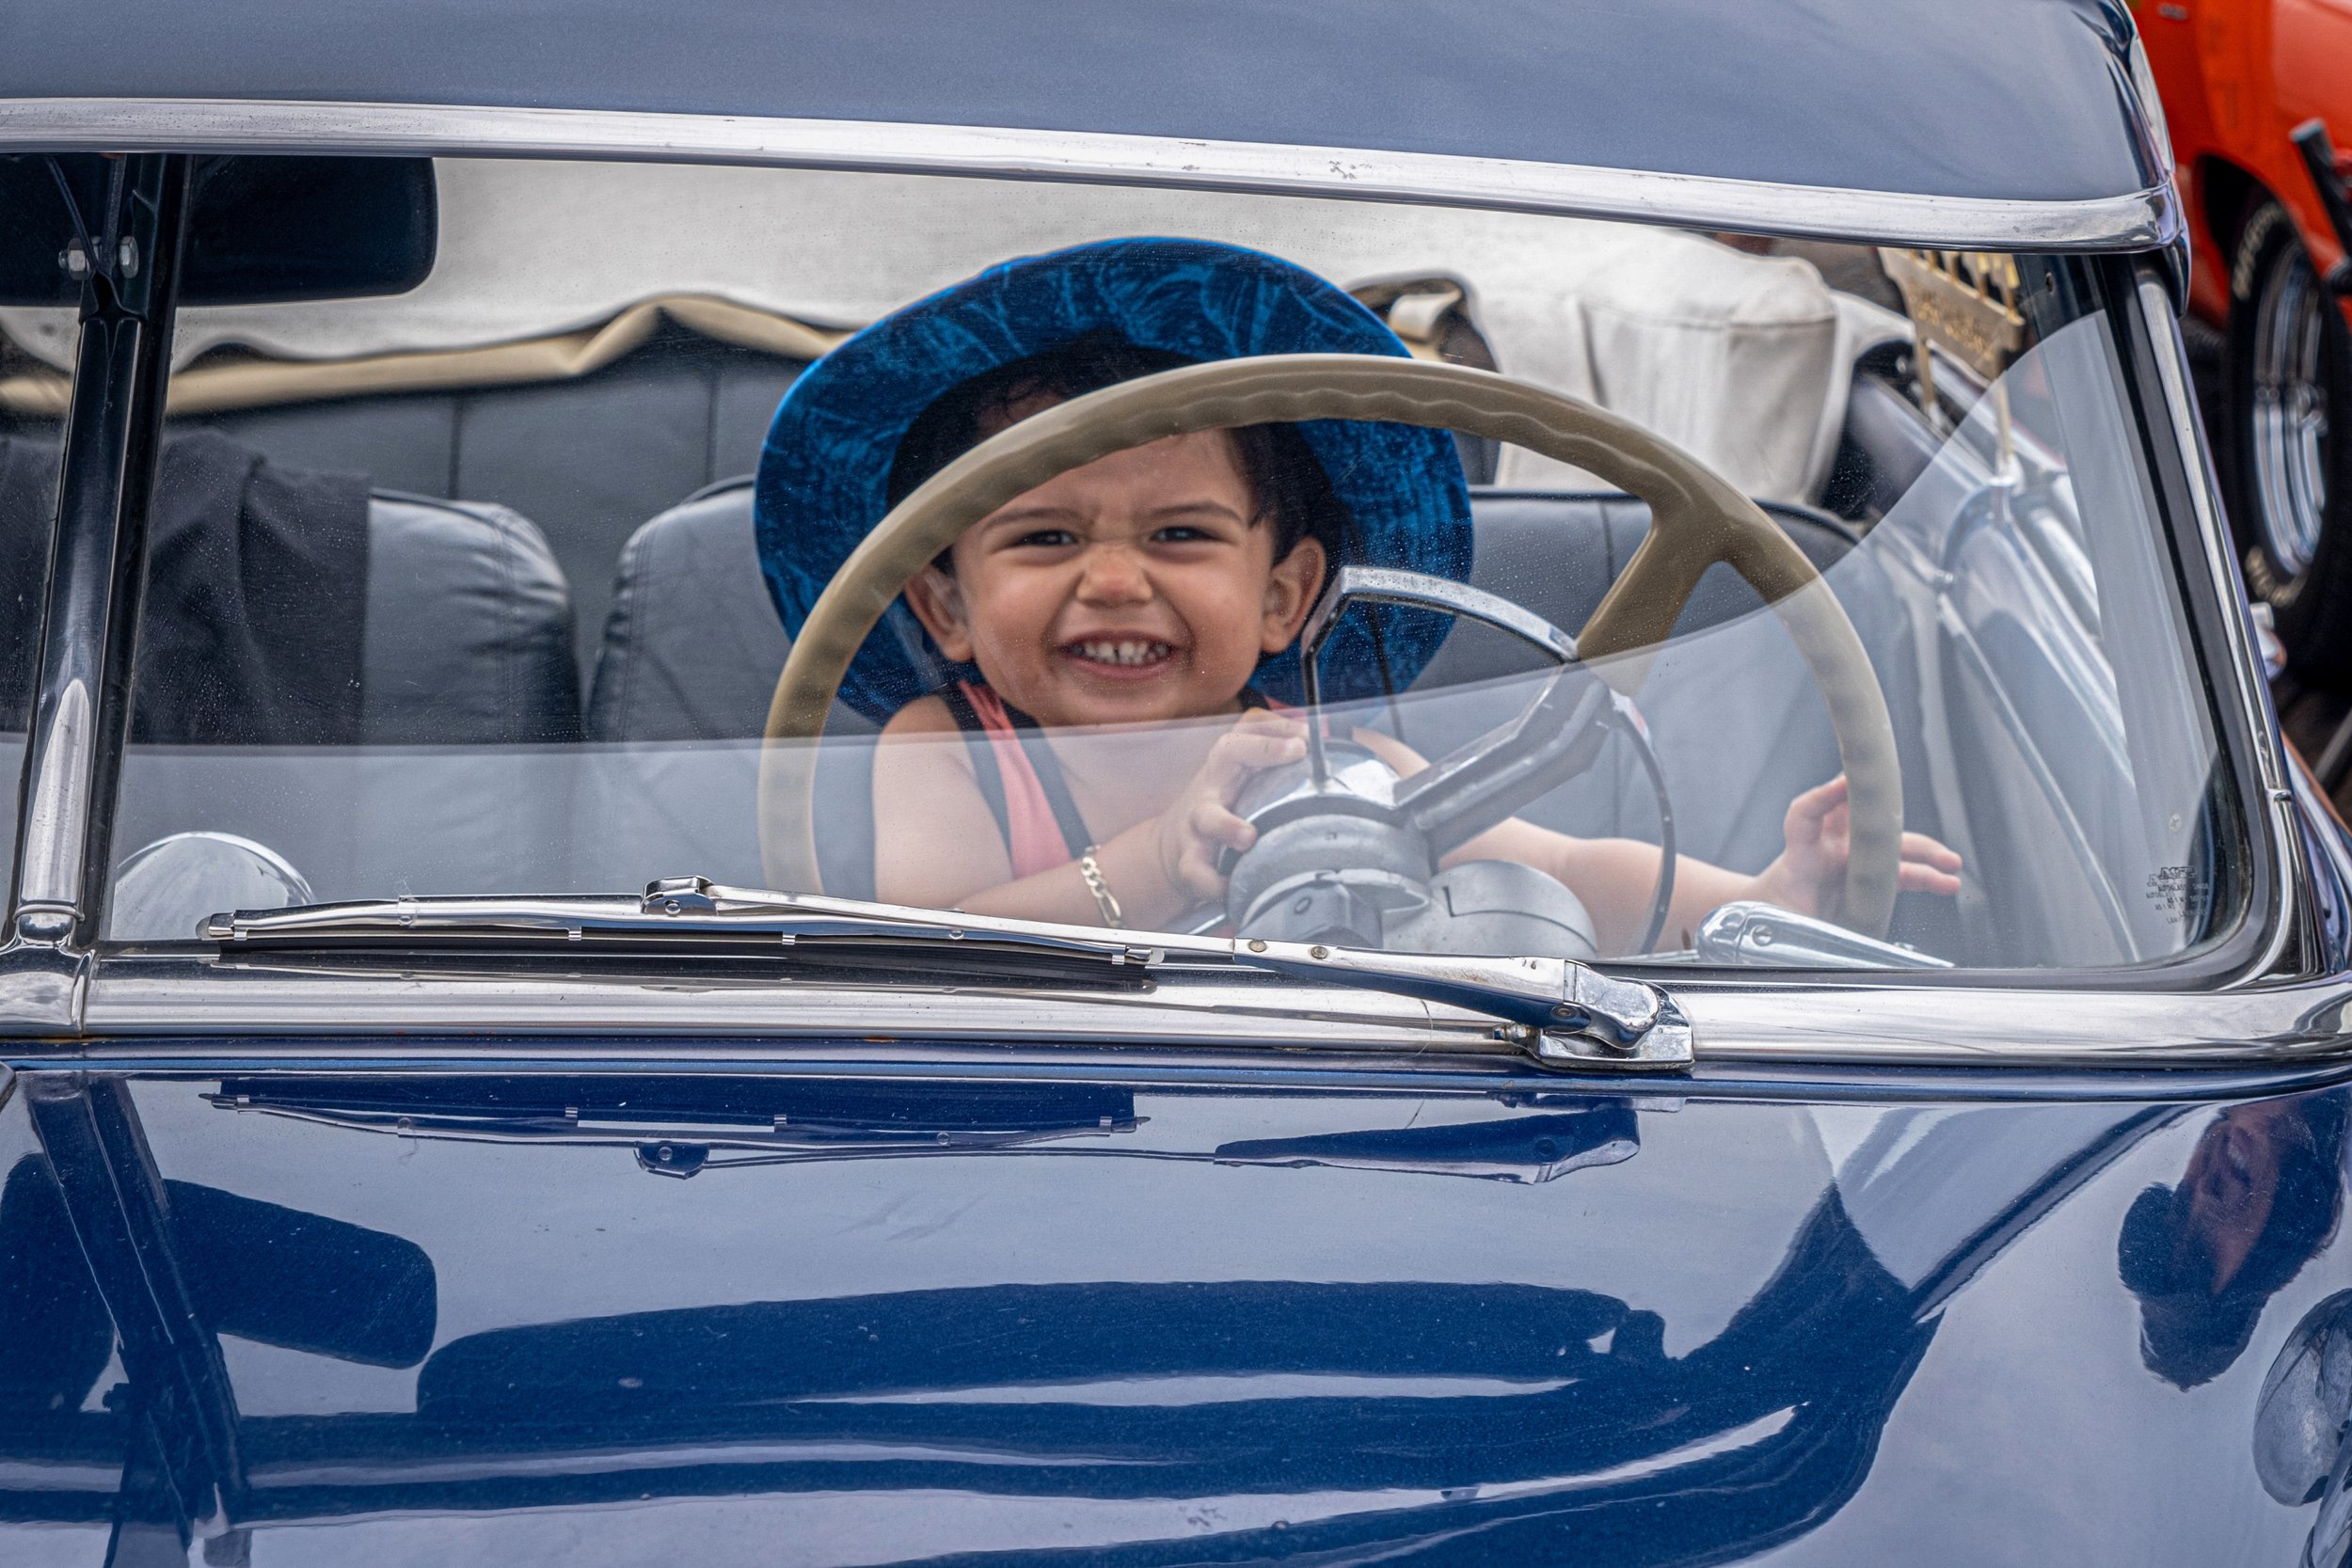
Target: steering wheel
<point>1697,518</point>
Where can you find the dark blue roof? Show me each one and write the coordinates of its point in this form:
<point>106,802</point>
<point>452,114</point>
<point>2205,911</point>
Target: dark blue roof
<point>1971,98</point>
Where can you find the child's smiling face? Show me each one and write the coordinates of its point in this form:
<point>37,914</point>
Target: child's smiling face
<point>1140,587</point>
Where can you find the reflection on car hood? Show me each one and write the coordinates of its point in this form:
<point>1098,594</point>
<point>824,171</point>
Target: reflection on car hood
<point>1674,1331</point>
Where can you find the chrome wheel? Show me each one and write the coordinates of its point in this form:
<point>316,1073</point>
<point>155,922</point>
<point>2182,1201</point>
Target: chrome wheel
<point>2289,426</point>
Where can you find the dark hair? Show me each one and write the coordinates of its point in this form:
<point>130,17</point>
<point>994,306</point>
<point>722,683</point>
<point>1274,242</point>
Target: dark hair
<point>2190,1333</point>
<point>1287,483</point>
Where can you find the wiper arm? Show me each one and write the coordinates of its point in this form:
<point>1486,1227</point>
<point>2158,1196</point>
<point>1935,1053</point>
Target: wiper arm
<point>1565,1012</point>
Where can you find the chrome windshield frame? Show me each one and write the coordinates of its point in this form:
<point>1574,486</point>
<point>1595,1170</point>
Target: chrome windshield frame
<point>161,1007</point>
<point>161,1004</point>
<point>2275,935</point>
<point>80,706</point>
<point>2130,221</point>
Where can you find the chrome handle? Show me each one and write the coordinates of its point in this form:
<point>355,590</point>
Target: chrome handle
<point>1753,934</point>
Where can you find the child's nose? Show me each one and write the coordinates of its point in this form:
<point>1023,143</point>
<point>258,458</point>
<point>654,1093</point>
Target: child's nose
<point>1113,574</point>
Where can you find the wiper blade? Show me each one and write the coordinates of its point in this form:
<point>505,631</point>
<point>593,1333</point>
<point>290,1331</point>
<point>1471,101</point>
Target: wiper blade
<point>1563,1012</point>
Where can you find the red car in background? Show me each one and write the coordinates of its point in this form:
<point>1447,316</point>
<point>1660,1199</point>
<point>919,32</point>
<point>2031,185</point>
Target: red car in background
<point>2239,80</point>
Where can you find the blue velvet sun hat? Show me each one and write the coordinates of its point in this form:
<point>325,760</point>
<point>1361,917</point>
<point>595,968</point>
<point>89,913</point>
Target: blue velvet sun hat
<point>824,469</point>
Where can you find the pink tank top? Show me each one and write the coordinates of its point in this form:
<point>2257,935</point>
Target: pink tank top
<point>1034,834</point>
<point>1021,780</point>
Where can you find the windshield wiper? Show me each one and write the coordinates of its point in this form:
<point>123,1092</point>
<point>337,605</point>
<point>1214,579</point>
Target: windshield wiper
<point>1563,1012</point>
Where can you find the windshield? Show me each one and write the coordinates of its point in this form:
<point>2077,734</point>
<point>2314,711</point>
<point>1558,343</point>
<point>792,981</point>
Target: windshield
<point>487,587</point>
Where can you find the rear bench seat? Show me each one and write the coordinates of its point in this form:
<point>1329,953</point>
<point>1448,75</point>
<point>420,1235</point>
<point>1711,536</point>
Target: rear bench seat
<point>587,460</point>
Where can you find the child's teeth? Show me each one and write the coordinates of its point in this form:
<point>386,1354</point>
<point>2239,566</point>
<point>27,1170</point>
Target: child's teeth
<point>1123,653</point>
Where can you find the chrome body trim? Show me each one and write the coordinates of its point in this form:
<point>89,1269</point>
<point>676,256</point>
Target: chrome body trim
<point>81,699</point>
<point>2242,656</point>
<point>186,1006</point>
<point>56,790</point>
<point>2138,220</point>
<point>288,996</point>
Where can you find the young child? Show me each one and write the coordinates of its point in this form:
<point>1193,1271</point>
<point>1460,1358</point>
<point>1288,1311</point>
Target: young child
<point>1082,759</point>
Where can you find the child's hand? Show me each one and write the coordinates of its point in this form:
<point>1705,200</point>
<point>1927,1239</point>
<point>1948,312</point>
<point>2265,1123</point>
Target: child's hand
<point>1200,824</point>
<point>1810,878</point>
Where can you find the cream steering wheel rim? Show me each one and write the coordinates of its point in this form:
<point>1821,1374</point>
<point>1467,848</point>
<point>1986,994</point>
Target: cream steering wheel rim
<point>1697,518</point>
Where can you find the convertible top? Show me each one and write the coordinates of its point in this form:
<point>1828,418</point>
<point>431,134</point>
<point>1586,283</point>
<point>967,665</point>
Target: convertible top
<point>2002,100</point>
<point>1631,316</point>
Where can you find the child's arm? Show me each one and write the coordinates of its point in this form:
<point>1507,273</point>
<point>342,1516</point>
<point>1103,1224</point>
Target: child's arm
<point>1613,877</point>
<point>937,845</point>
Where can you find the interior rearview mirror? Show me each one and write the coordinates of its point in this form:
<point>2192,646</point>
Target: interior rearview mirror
<point>261,229</point>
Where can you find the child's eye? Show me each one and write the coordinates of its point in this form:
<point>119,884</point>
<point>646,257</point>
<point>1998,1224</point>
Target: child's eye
<point>1045,539</point>
<point>1181,533</point>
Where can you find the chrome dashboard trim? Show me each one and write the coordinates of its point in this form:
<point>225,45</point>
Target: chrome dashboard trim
<point>2138,220</point>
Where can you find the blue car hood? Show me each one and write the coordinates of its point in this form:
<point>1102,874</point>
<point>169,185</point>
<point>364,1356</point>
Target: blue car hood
<point>833,1320</point>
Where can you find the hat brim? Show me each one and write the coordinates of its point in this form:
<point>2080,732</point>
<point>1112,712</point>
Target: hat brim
<point>824,469</point>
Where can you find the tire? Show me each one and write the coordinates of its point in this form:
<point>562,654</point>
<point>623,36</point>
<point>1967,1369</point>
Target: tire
<point>2287,433</point>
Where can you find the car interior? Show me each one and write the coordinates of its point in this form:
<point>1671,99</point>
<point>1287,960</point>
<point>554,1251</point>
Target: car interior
<point>570,650</point>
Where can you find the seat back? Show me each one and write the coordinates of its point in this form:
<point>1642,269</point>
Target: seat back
<point>692,645</point>
<point>586,459</point>
<point>468,639</point>
<point>1738,727</point>
<point>689,658</point>
<point>469,702</point>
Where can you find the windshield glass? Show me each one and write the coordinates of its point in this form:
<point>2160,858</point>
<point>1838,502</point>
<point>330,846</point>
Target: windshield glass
<point>487,587</point>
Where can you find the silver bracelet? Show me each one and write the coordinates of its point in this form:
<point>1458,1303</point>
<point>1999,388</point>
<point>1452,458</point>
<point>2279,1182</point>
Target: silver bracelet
<point>1092,871</point>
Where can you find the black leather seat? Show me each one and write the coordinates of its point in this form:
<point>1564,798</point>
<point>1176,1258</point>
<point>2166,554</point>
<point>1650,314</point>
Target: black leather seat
<point>587,459</point>
<point>692,646</point>
<point>469,706</point>
<point>469,638</point>
<point>690,654</point>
